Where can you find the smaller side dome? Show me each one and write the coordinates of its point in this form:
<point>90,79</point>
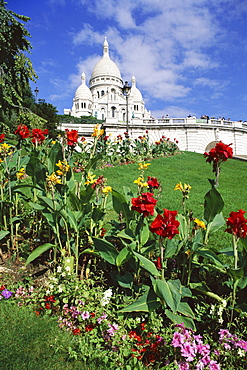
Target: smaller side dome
<point>83,91</point>
<point>135,93</point>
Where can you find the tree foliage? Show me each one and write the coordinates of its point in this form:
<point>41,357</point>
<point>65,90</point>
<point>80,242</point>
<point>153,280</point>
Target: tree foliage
<point>16,68</point>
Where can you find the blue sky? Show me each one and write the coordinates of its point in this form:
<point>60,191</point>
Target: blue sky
<point>188,56</point>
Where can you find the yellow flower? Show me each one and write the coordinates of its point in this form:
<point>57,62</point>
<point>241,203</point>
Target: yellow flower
<point>63,167</point>
<point>90,179</point>
<point>97,132</point>
<point>53,142</point>
<point>140,182</point>
<point>54,179</point>
<point>183,188</point>
<point>21,173</point>
<point>5,149</point>
<point>199,223</point>
<point>143,166</point>
<point>107,189</point>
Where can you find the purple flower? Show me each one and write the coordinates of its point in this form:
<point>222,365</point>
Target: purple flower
<point>6,293</point>
<point>213,365</point>
<point>101,318</point>
<point>112,329</point>
<point>85,315</point>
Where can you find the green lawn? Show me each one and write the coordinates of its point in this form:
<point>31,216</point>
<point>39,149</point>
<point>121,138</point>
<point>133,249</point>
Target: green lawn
<point>189,168</point>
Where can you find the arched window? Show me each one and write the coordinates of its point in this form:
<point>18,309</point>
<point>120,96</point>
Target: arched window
<point>113,94</point>
<point>102,93</point>
<point>103,113</point>
<point>113,112</point>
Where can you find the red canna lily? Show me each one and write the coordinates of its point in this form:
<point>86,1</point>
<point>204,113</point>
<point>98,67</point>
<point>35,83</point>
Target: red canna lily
<point>237,224</point>
<point>153,182</point>
<point>220,153</point>
<point>22,131</point>
<point>72,137</point>
<point>166,225</point>
<point>144,204</point>
<point>2,136</point>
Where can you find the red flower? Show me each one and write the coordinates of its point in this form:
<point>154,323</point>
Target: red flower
<point>144,204</point>
<point>2,287</point>
<point>38,136</point>
<point>22,131</point>
<point>153,182</point>
<point>49,298</point>
<point>76,331</point>
<point>2,136</point>
<point>220,153</point>
<point>89,327</point>
<point>165,225</point>
<point>72,137</point>
<point>237,224</point>
<point>92,314</point>
<point>48,306</point>
<point>158,263</point>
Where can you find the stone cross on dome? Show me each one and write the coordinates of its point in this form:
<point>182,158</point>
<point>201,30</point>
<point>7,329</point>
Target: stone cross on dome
<point>106,48</point>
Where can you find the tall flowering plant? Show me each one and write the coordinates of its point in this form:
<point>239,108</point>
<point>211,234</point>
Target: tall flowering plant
<point>217,155</point>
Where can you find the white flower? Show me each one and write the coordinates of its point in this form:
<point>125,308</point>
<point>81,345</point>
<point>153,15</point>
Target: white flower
<point>59,268</point>
<point>60,288</point>
<point>224,303</point>
<point>241,352</point>
<point>67,268</point>
<point>47,292</point>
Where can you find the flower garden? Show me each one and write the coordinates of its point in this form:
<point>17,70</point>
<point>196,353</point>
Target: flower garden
<point>128,281</point>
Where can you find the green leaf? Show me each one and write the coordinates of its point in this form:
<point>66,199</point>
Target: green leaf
<point>163,291</point>
<point>185,310</point>
<point>37,171</point>
<point>121,206</point>
<point>146,303</point>
<point>144,232</point>
<point>183,227</point>
<point>123,256</point>
<point>126,280</point>
<point>126,234</point>
<point>217,223</point>
<point>177,319</point>
<point>147,264</point>
<point>236,273</point>
<point>3,234</point>
<point>206,253</point>
<point>213,204</point>
<point>54,156</point>
<point>107,251</point>
<point>38,251</point>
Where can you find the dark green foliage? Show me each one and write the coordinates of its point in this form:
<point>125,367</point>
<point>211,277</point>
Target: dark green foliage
<point>84,119</point>
<point>15,67</point>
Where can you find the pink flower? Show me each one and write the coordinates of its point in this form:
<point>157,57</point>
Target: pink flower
<point>85,315</point>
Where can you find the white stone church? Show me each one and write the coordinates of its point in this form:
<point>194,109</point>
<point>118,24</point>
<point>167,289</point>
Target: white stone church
<point>104,98</point>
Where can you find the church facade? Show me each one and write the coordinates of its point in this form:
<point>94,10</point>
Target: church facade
<point>104,98</point>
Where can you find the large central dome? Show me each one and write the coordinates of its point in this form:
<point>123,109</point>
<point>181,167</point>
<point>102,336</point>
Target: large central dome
<point>106,67</point>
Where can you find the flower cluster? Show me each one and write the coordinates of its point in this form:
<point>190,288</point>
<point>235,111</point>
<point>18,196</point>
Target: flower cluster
<point>237,224</point>
<point>63,167</point>
<point>6,293</point>
<point>144,204</point>
<point>220,153</point>
<point>38,136</point>
<point>72,137</point>
<point>166,225</point>
<point>192,353</point>
<point>231,341</point>
<point>22,132</point>
<point>148,347</point>
<point>97,132</point>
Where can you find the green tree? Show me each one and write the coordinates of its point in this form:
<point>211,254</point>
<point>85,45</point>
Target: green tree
<point>16,68</point>
<point>49,113</point>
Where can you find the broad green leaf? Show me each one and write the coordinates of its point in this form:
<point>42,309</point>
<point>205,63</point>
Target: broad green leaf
<point>53,157</point>
<point>147,264</point>
<point>163,291</point>
<point>236,273</point>
<point>126,234</point>
<point>185,310</point>
<point>144,232</point>
<point>177,319</point>
<point>183,227</point>
<point>126,280</point>
<point>121,206</point>
<point>170,248</point>
<point>213,204</point>
<point>146,303</point>
<point>38,251</point>
<point>206,253</point>
<point>203,288</point>
<point>97,214</point>
<point>37,171</point>
<point>176,290</point>
<point>3,234</point>
<point>217,223</point>
<point>107,251</point>
<point>123,256</point>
